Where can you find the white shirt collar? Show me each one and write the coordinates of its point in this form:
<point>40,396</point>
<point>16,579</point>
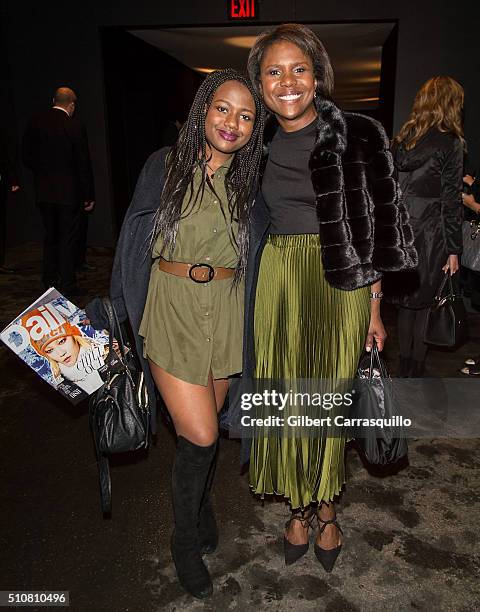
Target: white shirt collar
<point>60,108</point>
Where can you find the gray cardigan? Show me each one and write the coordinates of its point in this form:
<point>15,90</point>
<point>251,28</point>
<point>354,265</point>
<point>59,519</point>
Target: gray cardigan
<point>132,263</point>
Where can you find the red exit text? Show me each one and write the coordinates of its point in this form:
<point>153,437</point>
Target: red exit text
<point>242,9</point>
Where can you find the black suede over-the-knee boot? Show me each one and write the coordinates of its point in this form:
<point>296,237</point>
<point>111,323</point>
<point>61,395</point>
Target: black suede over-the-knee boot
<point>189,475</point>
<point>207,524</point>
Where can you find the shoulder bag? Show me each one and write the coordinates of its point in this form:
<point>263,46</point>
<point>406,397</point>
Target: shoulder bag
<point>119,414</point>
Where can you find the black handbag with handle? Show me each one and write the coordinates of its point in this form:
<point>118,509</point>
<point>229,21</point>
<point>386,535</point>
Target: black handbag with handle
<point>446,321</point>
<point>380,440</point>
<point>119,414</point>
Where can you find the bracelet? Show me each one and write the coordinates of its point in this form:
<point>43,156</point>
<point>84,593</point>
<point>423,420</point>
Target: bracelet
<point>376,295</point>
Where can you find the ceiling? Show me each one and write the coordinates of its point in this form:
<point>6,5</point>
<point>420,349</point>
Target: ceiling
<point>355,50</point>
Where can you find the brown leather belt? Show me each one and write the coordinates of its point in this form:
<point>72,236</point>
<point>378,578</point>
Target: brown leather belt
<point>199,273</point>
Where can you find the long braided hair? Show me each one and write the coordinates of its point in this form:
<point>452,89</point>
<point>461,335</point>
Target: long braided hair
<point>190,151</point>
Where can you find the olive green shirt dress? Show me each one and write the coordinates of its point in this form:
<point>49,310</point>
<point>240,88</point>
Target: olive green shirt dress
<point>193,329</point>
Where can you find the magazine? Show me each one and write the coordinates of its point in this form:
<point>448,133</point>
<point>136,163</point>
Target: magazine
<point>50,337</point>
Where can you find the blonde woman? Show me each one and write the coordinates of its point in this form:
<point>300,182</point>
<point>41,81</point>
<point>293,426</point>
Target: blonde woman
<point>70,355</point>
<point>428,153</point>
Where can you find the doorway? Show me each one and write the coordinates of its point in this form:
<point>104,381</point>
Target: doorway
<point>151,76</point>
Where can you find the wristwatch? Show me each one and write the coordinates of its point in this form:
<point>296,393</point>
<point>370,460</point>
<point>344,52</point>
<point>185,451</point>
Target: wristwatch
<point>376,295</point>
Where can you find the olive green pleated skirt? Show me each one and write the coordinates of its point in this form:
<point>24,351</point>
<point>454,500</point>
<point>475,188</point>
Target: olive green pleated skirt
<point>304,329</point>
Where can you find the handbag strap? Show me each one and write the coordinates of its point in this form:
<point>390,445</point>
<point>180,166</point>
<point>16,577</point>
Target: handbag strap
<point>105,484</point>
<point>451,293</point>
<point>445,279</point>
<point>102,464</point>
<point>454,283</point>
<point>115,331</point>
<point>376,360</point>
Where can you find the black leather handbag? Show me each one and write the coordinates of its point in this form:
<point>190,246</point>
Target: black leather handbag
<point>446,322</point>
<point>119,414</point>
<point>380,440</point>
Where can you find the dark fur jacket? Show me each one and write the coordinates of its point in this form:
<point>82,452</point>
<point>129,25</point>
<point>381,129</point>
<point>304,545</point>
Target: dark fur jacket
<point>363,225</point>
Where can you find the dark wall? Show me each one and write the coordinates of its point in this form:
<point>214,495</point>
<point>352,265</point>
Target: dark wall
<point>7,107</point>
<point>146,90</point>
<point>55,43</point>
<point>386,111</point>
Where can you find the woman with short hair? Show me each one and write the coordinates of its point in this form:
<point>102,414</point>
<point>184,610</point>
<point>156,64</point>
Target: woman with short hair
<point>325,226</point>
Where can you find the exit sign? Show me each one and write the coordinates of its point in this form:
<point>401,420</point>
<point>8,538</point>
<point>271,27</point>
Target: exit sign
<point>240,10</point>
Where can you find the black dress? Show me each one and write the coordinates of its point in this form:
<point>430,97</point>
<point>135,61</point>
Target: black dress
<point>430,177</point>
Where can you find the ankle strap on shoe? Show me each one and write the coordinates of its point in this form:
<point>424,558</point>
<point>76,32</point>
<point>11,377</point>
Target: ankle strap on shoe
<point>305,520</point>
<point>332,521</point>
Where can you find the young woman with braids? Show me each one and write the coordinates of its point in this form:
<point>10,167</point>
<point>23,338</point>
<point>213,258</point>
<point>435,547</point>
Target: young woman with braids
<point>326,224</point>
<point>190,213</point>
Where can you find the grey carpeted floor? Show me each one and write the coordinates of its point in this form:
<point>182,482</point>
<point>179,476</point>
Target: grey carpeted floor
<point>411,538</point>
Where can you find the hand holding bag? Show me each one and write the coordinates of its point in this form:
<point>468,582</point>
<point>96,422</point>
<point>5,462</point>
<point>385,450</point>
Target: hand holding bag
<point>446,321</point>
<point>381,444</point>
<point>119,415</point>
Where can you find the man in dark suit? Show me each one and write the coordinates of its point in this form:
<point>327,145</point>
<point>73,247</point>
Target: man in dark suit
<point>55,148</point>
<point>8,184</point>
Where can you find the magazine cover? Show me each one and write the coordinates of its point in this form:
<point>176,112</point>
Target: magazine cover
<point>49,337</point>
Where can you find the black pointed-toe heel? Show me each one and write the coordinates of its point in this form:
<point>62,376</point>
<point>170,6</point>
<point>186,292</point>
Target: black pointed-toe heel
<point>327,557</point>
<point>293,552</point>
